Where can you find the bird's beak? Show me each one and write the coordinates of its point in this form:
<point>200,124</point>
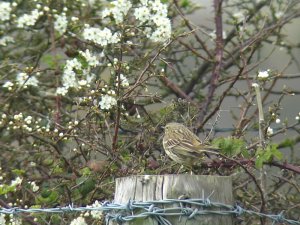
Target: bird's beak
<point>161,127</point>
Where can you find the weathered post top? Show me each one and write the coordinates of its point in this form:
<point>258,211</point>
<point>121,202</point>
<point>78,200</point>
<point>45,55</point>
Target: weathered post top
<point>158,187</point>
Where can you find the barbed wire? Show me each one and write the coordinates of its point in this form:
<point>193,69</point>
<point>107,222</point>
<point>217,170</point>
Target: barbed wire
<point>156,209</point>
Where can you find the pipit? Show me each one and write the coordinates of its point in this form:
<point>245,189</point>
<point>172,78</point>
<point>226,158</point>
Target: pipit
<point>183,146</point>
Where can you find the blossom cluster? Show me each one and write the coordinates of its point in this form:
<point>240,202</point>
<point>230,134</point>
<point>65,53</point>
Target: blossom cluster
<point>13,186</point>
<point>36,125</point>
<point>23,80</point>
<point>263,74</point>
<point>96,214</point>
<point>29,19</point>
<point>61,23</point>
<point>78,221</point>
<point>5,11</point>
<point>6,40</point>
<point>150,14</point>
<point>99,36</point>
<point>107,102</point>
<point>118,10</point>
<point>74,67</point>
<point>154,14</point>
<point>297,117</point>
<point>19,121</point>
<point>123,80</point>
<point>13,220</point>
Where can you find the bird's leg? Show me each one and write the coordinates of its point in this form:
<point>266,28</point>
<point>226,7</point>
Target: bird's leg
<point>179,170</point>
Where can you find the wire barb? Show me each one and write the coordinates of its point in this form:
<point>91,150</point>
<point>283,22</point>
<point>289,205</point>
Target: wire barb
<point>159,210</point>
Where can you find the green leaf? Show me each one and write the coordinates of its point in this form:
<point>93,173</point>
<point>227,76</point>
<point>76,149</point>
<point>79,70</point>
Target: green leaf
<point>18,172</point>
<point>51,60</point>
<point>4,189</point>
<point>267,155</point>
<point>275,152</point>
<point>85,171</point>
<point>87,186</point>
<point>185,3</point>
<point>288,143</point>
<point>47,197</point>
<point>57,170</point>
<point>231,146</point>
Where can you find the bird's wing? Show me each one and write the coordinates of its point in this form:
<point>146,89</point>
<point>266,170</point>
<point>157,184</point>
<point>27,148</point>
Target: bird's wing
<point>171,143</point>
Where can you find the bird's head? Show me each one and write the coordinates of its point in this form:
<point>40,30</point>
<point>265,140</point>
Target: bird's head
<point>173,126</point>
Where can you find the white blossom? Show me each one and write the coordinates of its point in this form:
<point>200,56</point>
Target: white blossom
<point>159,7</point>
<point>239,16</point>
<point>99,36</point>
<point>69,76</point>
<point>18,116</point>
<point>69,79</point>
<point>214,36</point>
<point>89,76</point>
<point>277,120</point>
<point>162,33</point>
<point>16,181</point>
<point>263,74</point>
<point>270,131</point>
<point>61,23</point>
<point>5,10</point>
<point>118,9</point>
<point>90,58</point>
<point>23,79</point>
<point>142,13</point>
<point>155,14</point>
<point>2,215</point>
<point>96,214</point>
<point>8,85</point>
<point>78,221</point>
<point>279,14</point>
<point>28,19</point>
<point>82,82</point>
<point>62,91</point>
<point>14,220</point>
<point>144,2</point>
<point>124,80</point>
<point>74,18</point>
<point>6,39</point>
<point>255,85</point>
<point>73,64</point>
<point>107,102</point>
<point>28,119</point>
<point>34,187</point>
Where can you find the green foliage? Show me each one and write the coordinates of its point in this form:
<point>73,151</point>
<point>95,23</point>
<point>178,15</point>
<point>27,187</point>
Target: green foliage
<point>51,60</point>
<point>231,146</point>
<point>85,171</point>
<point>47,197</point>
<point>185,3</point>
<point>18,172</point>
<point>288,143</point>
<point>5,189</point>
<point>267,155</point>
<point>126,156</point>
<point>86,185</point>
<point>58,170</point>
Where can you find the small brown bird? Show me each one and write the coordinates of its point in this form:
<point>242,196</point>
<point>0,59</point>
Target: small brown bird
<point>183,146</point>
